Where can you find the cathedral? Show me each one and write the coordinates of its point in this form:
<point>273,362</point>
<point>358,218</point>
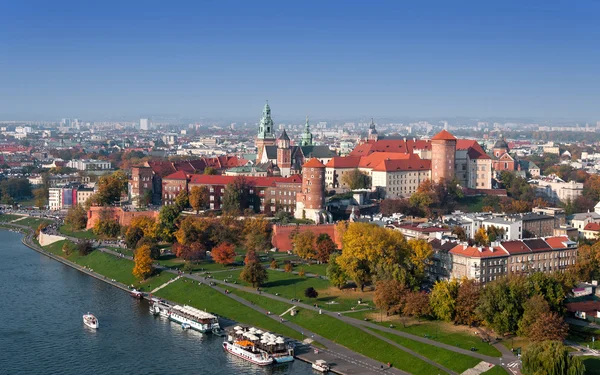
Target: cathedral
<point>281,153</point>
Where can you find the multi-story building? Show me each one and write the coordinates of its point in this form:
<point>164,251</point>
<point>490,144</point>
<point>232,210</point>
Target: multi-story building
<point>140,184</point>
<point>556,212</point>
<point>512,226</point>
<point>90,165</point>
<point>400,178</point>
<point>536,224</point>
<point>483,264</point>
<point>67,196</point>
<point>84,193</point>
<point>556,190</point>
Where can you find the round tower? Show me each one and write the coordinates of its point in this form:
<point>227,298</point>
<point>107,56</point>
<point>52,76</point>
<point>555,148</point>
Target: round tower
<point>310,202</point>
<point>443,152</point>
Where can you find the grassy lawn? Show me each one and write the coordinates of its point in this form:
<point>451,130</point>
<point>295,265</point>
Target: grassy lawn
<point>204,297</point>
<point>356,339</point>
<point>592,365</point>
<point>33,222</point>
<point>319,269</point>
<point>8,217</point>
<point>471,204</point>
<point>443,332</point>
<point>583,335</point>
<point>111,267</point>
<point>496,370</point>
<point>84,234</point>
<point>449,359</point>
<point>275,307</point>
<point>171,261</point>
<point>517,342</point>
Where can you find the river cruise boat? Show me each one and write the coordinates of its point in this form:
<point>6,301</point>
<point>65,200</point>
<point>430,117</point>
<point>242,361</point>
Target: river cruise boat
<point>320,365</point>
<point>136,294</point>
<point>91,321</point>
<point>197,319</point>
<point>276,347</point>
<point>247,350</point>
<point>159,307</point>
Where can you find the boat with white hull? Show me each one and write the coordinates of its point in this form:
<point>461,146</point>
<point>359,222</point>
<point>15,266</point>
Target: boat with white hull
<point>91,321</point>
<point>247,351</point>
<point>197,319</point>
<point>160,308</point>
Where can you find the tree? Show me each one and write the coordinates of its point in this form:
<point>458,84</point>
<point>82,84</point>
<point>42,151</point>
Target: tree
<point>154,248</point>
<point>167,218</point>
<point>389,295</point>
<point>236,196</point>
<point>481,238</point>
<point>67,248</point>
<point>257,234</point>
<point>301,272</point>
<point>148,225</point>
<point>110,188</point>
<point>182,200</point>
<point>84,248</point>
<point>274,265</point>
<point>355,179</point>
<point>143,263</point>
<point>199,198</point>
<point>548,326</point>
<point>304,245</point>
<point>459,232</point>
<point>40,198</point>
<point>550,358</point>
<point>501,303</point>
<point>336,275</point>
<point>416,304</point>
<point>420,256</point>
<point>107,225</point>
<point>13,189</point>
<point>210,171</point>
<point>223,253</point>
<point>76,217</point>
<point>193,252</point>
<point>325,247</point>
<point>466,302</point>
<point>253,273</point>
<point>132,236</point>
<point>443,299</point>
<point>288,267</point>
<point>310,292</point>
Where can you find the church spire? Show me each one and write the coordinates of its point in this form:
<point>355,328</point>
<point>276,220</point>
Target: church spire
<point>266,125</point>
<point>307,135</point>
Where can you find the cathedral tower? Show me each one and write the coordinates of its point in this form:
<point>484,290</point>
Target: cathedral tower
<point>372,132</point>
<point>284,154</point>
<point>443,152</point>
<point>265,135</point>
<point>307,135</point>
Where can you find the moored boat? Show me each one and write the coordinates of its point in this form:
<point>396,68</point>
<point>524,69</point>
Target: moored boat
<point>136,294</point>
<point>276,347</point>
<point>159,307</point>
<point>91,321</point>
<point>197,319</point>
<point>320,365</point>
<point>247,350</point>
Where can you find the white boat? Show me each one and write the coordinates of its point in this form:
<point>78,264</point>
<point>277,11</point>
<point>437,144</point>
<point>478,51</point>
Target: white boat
<point>185,326</point>
<point>197,319</point>
<point>91,321</point>
<point>246,350</point>
<point>320,365</point>
<point>159,307</point>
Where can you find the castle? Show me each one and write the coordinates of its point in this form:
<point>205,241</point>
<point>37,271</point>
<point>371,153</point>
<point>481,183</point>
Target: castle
<point>281,153</point>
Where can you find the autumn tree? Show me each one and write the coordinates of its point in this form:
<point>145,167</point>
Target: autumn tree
<point>548,326</point>
<point>466,302</point>
<point>443,299</point>
<point>481,238</point>
<point>107,225</point>
<point>550,357</point>
<point>143,263</point>
<point>199,198</point>
<point>257,234</point>
<point>460,233</point>
<point>494,233</point>
<point>154,248</point>
<point>194,251</point>
<point>274,265</point>
<point>253,272</point>
<point>132,236</point>
<point>40,198</point>
<point>288,267</point>
<point>355,179</point>
<point>304,245</point>
<point>325,247</point>
<point>416,304</point>
<point>182,200</point>
<point>421,253</point>
<point>76,217</point>
<point>501,303</point>
<point>223,253</point>
<point>336,275</point>
<point>389,295</point>
<point>110,188</point>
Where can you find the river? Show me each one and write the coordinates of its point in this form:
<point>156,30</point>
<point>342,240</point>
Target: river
<point>41,328</point>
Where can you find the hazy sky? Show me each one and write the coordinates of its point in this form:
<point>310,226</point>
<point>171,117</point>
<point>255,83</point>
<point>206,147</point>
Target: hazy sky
<point>323,58</point>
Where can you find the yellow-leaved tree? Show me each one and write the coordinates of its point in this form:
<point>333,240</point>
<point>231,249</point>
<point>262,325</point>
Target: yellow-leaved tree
<point>420,255</point>
<point>143,262</point>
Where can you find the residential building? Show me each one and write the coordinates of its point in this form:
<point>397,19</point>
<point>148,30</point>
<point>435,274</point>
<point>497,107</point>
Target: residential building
<point>556,190</point>
<point>140,184</point>
<point>423,231</point>
<point>591,231</point>
<point>90,165</point>
<point>484,263</point>
<point>549,254</point>
<point>535,224</point>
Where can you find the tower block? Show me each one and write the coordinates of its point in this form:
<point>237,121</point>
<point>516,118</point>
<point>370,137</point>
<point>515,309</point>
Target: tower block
<point>443,151</point>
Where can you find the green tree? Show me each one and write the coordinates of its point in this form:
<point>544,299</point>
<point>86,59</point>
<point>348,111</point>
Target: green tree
<point>182,200</point>
<point>40,198</point>
<point>310,292</point>
<point>550,358</point>
<point>110,188</point>
<point>443,299</point>
<point>253,272</point>
<point>501,303</point>
<point>210,171</point>
<point>107,226</point>
<point>336,275</point>
<point>167,222</point>
<point>84,247</point>
<point>236,196</point>
<point>199,198</point>
<point>355,179</point>
<point>76,217</point>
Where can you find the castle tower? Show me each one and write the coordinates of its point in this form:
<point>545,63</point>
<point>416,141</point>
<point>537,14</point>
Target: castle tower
<point>307,135</point>
<point>500,148</point>
<point>265,135</point>
<point>284,154</point>
<point>443,152</point>
<point>310,202</point>
<point>372,132</point>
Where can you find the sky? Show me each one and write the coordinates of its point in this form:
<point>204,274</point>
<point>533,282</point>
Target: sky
<point>323,58</point>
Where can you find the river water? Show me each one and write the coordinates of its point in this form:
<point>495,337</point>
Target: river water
<point>41,330</point>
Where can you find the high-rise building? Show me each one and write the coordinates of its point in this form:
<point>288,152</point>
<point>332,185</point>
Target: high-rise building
<point>144,124</point>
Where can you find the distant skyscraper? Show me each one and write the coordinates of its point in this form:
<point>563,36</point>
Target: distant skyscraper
<point>144,124</point>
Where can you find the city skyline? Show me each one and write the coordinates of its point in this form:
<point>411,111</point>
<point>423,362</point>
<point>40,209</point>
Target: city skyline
<point>332,60</point>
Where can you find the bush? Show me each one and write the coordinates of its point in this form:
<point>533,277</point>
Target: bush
<point>84,248</point>
<point>310,292</point>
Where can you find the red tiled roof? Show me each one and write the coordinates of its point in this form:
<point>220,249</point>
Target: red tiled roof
<point>412,163</point>
<point>592,226</point>
<point>583,306</point>
<point>313,163</point>
<point>515,247</point>
<point>202,179</point>
<point>392,145</point>
<point>162,168</point>
<point>557,242</point>
<point>444,135</point>
<point>473,148</point>
<point>376,158</point>
<point>343,162</point>
<point>179,175</point>
<point>474,252</point>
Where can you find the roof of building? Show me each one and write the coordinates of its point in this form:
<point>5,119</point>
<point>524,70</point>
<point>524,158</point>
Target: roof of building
<point>537,244</point>
<point>411,163</point>
<point>479,252</point>
<point>284,136</point>
<point>515,247</point>
<point>444,135</point>
<point>179,175</point>
<point>501,143</point>
<point>595,227</point>
<point>391,145</point>
<point>202,179</point>
<point>559,242</point>
<point>374,159</point>
<point>313,163</point>
<point>421,228</point>
<point>443,245</point>
<point>343,162</point>
<point>317,152</point>
<point>583,306</point>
